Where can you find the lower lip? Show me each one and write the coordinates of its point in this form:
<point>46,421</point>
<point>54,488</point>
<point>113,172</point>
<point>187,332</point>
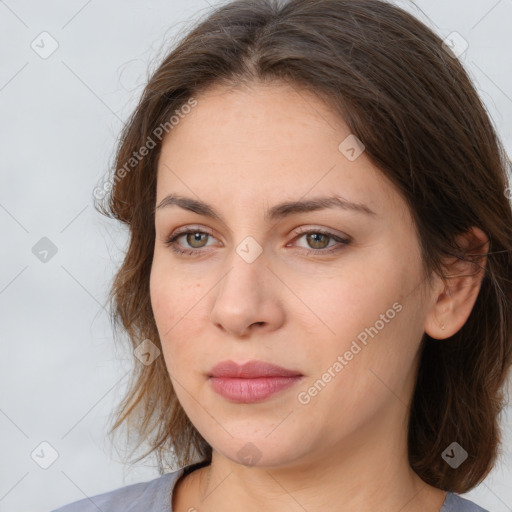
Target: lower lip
<point>245,391</point>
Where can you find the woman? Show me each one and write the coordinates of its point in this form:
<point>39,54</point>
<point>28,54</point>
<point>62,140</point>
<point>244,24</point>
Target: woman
<point>318,284</point>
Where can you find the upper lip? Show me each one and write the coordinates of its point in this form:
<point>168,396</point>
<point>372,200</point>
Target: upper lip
<point>250,370</point>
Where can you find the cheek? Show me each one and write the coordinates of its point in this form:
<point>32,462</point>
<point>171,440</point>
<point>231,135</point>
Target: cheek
<point>161,296</point>
<point>341,305</point>
<point>171,294</point>
<point>175,302</point>
<point>372,306</point>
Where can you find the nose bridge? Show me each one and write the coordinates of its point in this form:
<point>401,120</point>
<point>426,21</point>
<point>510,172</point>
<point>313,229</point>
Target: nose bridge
<point>243,296</point>
<point>246,275</point>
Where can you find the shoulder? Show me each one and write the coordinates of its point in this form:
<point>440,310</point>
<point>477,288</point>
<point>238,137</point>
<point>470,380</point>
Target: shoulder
<point>153,495</point>
<point>456,503</point>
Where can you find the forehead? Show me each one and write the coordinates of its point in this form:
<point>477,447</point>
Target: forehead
<point>263,117</point>
<point>266,141</point>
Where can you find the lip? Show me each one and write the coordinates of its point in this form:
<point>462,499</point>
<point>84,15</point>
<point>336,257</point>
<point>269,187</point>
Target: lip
<point>253,381</point>
<point>251,370</point>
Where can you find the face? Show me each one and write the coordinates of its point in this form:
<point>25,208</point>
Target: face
<point>333,293</point>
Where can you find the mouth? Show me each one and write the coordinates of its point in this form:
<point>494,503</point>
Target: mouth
<point>253,381</point>
<point>251,370</point>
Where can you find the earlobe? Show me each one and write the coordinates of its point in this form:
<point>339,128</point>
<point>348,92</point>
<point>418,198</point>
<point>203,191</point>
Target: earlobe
<point>454,298</point>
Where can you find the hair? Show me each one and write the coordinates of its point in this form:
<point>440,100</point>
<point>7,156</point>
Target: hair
<point>412,104</point>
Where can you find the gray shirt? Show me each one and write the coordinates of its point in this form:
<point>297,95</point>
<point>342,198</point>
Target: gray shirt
<point>156,495</point>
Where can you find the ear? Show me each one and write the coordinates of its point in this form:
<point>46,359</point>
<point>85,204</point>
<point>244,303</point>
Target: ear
<point>453,300</point>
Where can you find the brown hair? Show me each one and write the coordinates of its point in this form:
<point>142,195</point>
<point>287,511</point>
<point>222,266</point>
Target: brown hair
<point>423,125</point>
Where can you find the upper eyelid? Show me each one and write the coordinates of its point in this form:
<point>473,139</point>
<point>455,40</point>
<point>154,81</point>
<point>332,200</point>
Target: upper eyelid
<point>211,232</point>
<point>191,229</point>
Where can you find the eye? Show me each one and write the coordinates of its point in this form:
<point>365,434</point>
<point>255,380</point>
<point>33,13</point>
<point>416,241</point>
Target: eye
<point>194,237</point>
<point>318,239</point>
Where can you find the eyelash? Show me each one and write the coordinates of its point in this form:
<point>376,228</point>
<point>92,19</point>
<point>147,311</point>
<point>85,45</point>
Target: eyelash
<point>171,242</point>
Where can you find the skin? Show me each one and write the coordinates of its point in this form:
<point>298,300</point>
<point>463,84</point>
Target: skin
<point>242,151</point>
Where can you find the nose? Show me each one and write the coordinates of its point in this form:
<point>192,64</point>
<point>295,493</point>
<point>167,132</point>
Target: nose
<point>248,298</point>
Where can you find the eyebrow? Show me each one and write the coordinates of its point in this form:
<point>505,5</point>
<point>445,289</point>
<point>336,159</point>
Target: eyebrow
<point>277,212</point>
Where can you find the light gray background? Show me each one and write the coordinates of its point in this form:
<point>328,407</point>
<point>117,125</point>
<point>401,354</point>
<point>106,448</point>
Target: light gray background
<point>60,372</point>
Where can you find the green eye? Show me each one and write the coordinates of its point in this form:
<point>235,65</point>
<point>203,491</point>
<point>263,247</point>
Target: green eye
<point>317,239</point>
